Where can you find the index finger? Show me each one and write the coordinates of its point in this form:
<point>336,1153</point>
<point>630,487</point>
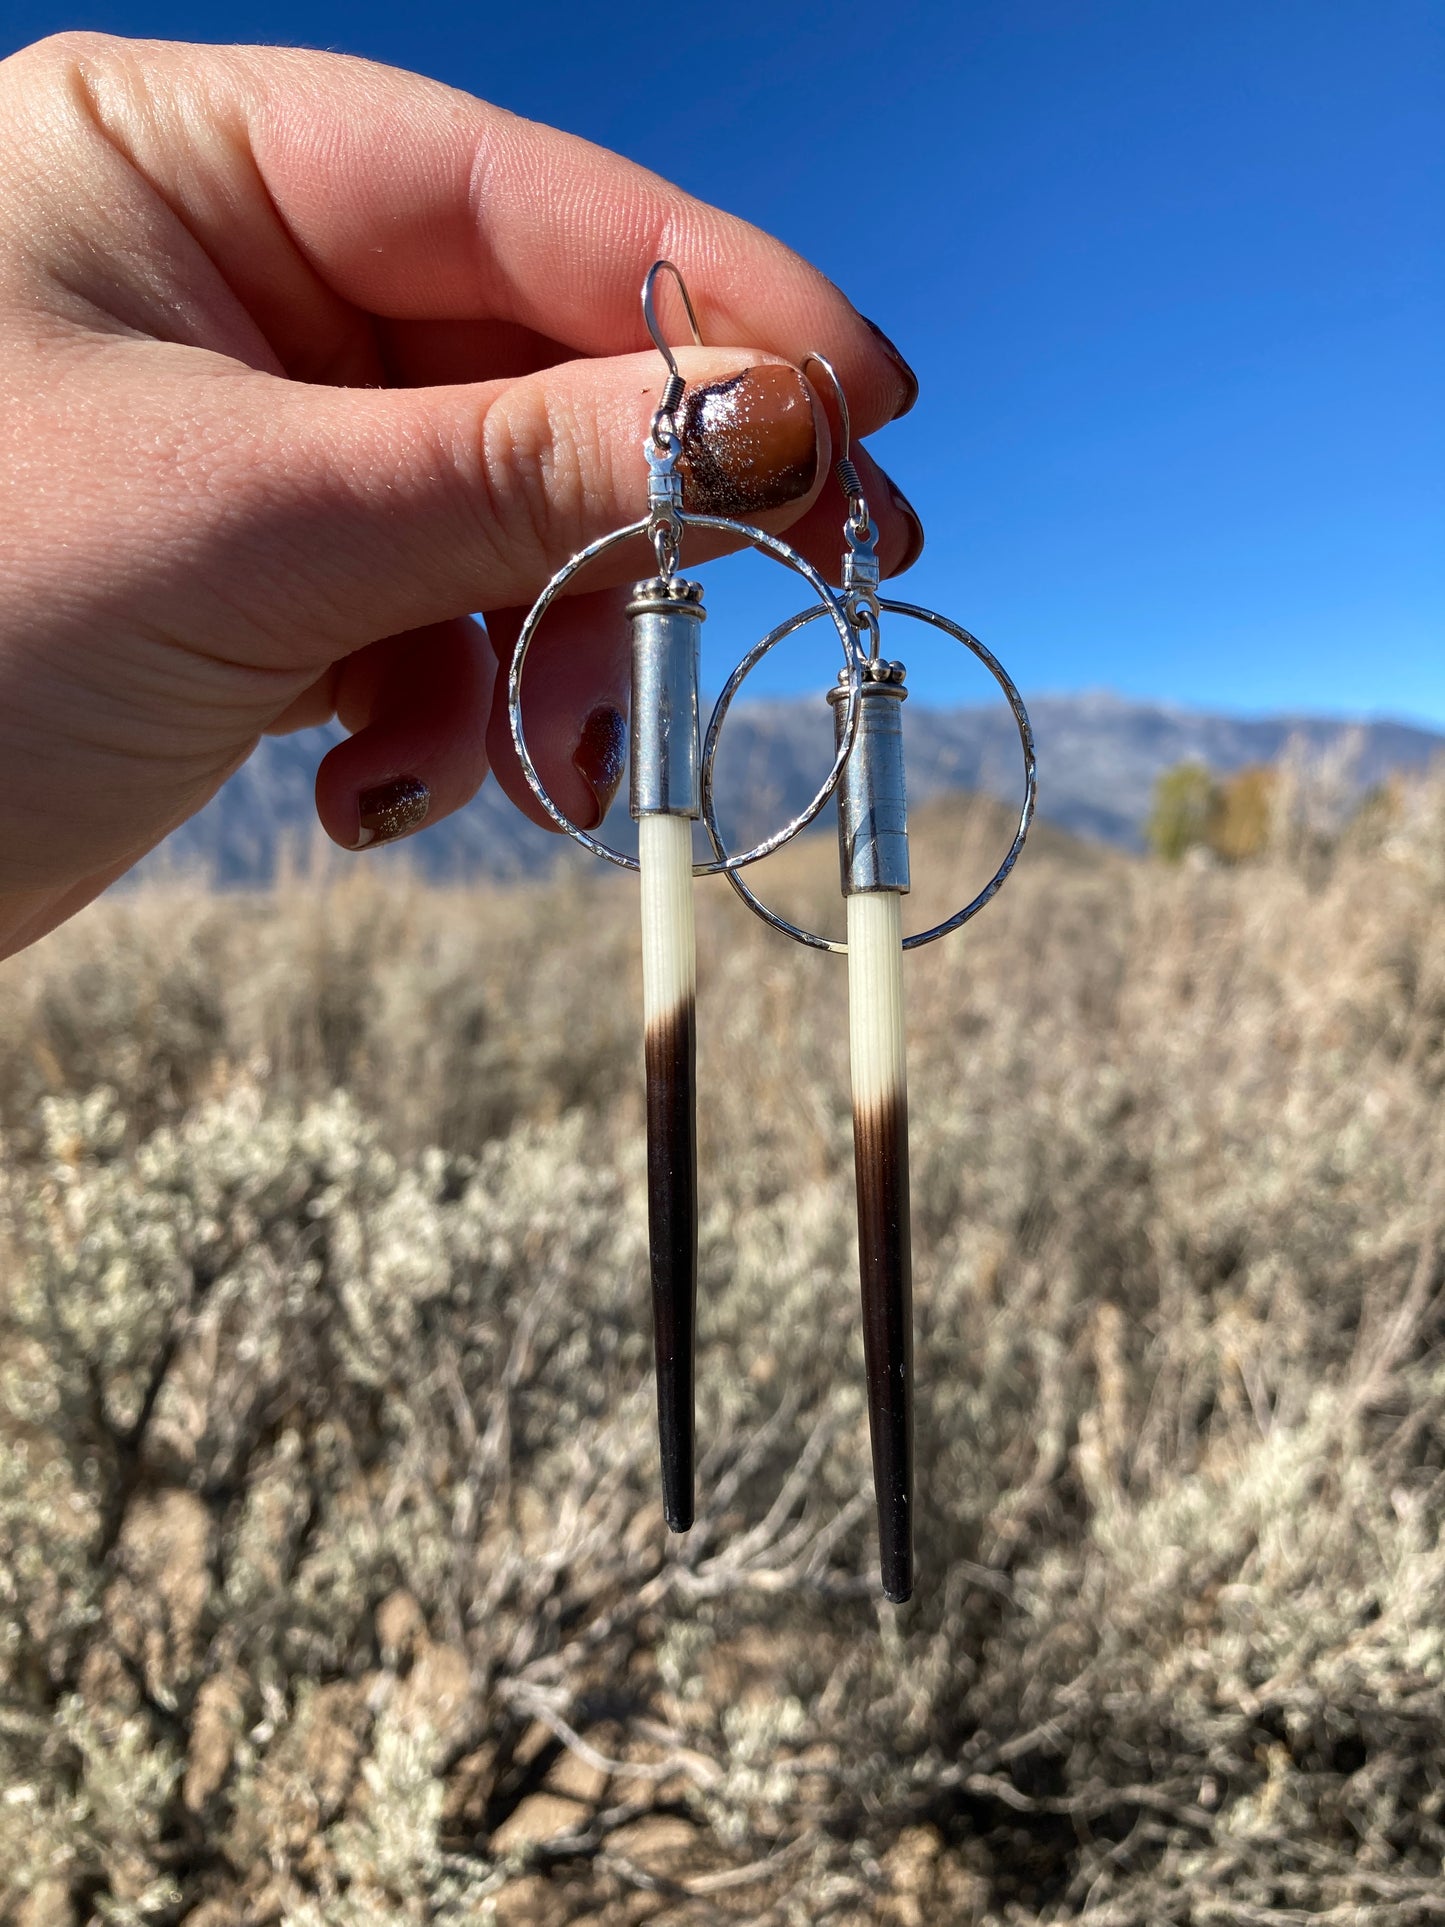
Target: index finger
<point>411,200</point>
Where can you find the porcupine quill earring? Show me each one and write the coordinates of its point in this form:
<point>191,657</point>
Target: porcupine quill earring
<point>666,615</point>
<point>873,856</point>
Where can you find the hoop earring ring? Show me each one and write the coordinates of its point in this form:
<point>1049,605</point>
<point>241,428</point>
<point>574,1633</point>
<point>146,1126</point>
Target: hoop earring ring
<point>1026,739</point>
<point>828,604</point>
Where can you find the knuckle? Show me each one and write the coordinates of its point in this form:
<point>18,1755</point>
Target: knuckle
<point>530,471</point>
<point>64,49</point>
<point>64,61</point>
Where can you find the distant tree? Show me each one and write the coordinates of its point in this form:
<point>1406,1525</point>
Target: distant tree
<point>1185,799</point>
<point>1232,817</point>
<point>1242,816</point>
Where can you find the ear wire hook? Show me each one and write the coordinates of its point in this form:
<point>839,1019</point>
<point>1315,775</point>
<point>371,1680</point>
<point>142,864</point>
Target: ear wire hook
<point>845,419</point>
<point>842,467</point>
<point>664,422</point>
<point>848,477</point>
<point>860,560</point>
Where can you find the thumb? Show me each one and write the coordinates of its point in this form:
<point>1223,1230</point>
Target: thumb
<point>398,508</point>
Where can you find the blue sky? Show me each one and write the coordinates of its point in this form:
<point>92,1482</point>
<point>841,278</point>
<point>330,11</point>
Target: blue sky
<point>1172,277</point>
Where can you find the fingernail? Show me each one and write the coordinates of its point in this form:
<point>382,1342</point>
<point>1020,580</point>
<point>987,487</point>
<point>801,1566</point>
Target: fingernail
<point>905,373</point>
<point>600,756</point>
<point>748,444</point>
<point>392,809</point>
<point>909,515</point>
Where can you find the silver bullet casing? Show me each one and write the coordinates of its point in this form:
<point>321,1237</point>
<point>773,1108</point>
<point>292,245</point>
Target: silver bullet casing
<point>872,801</point>
<point>666,614</point>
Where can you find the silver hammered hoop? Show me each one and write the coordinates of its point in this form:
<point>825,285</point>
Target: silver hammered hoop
<point>828,605</point>
<point>1026,739</point>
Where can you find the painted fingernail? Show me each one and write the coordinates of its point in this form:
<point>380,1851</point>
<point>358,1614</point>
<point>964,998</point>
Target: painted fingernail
<point>748,444</point>
<point>905,373</point>
<point>392,809</point>
<point>905,510</point>
<point>600,757</point>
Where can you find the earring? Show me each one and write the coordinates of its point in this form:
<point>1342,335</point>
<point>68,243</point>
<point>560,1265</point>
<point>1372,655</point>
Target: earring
<point>666,614</point>
<point>873,858</point>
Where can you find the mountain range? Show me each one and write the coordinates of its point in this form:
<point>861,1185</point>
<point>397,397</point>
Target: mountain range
<point>1099,756</point>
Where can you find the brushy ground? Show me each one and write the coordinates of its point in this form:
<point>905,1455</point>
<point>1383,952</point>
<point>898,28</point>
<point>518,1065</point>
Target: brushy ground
<point>333,1587</point>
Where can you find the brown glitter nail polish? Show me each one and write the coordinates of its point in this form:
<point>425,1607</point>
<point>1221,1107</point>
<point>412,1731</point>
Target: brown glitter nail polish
<point>600,757</point>
<point>905,373</point>
<point>390,810</point>
<point>748,444</point>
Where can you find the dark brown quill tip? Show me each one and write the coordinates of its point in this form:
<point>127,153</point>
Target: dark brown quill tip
<point>885,1256</point>
<point>671,1052</point>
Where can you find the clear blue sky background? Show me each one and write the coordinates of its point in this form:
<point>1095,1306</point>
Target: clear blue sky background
<point>1172,277</point>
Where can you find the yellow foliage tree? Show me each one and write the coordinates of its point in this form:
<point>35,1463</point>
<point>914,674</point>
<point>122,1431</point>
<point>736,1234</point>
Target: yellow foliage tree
<point>1231,817</point>
<point>1242,816</point>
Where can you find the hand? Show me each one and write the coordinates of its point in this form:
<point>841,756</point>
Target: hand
<point>301,361</point>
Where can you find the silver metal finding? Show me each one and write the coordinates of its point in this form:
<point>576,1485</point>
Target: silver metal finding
<point>848,477</point>
<point>667,615</point>
<point>664,443</point>
<point>860,558</point>
<point>1026,739</point>
<point>664,421</point>
<point>664,502</point>
<point>872,798</point>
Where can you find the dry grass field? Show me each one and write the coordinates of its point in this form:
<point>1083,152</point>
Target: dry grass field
<point>333,1585</point>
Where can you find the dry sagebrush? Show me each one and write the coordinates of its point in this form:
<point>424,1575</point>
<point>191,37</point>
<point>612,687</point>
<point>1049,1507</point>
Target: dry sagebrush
<point>333,1587</point>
